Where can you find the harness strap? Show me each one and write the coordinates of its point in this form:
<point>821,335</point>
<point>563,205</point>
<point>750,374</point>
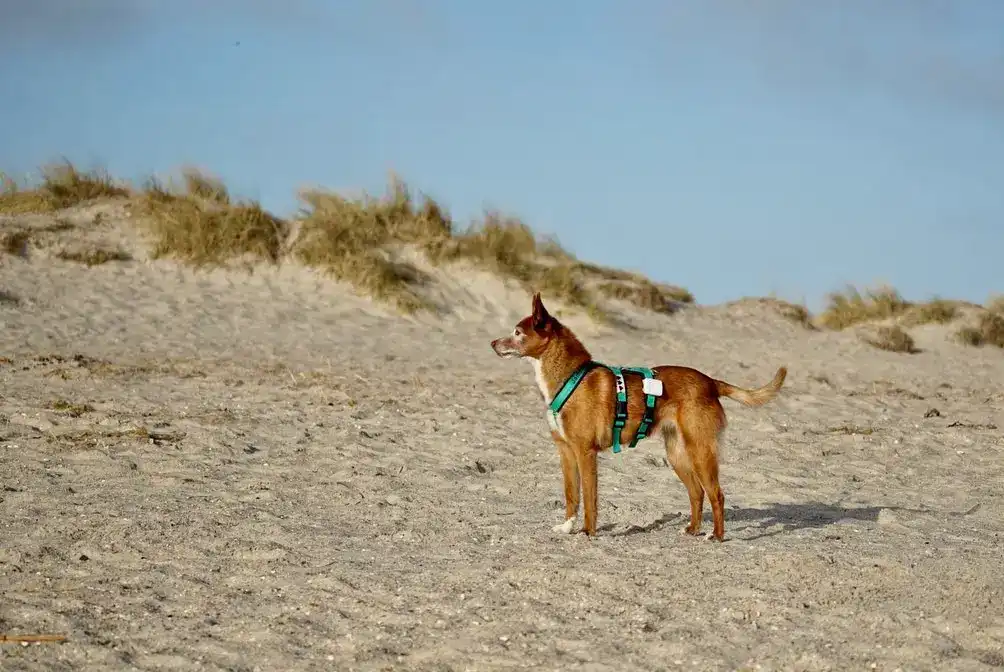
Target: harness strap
<point>649,418</point>
<point>573,382</point>
<point>621,406</point>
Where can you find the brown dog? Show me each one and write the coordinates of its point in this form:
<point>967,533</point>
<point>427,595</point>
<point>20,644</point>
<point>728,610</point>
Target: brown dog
<point>687,414</point>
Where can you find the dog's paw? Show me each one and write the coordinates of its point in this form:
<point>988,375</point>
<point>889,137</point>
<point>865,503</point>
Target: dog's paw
<point>688,530</point>
<point>567,527</point>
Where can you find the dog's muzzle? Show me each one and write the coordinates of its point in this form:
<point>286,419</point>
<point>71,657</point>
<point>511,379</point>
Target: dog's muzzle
<point>503,349</point>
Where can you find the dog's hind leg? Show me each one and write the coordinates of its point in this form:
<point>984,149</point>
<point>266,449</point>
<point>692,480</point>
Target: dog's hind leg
<point>700,426</point>
<point>570,477</point>
<point>676,455</point>
<point>707,472</point>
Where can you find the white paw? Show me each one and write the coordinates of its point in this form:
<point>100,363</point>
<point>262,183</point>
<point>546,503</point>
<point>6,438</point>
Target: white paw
<point>685,529</point>
<point>566,527</point>
<point>710,536</point>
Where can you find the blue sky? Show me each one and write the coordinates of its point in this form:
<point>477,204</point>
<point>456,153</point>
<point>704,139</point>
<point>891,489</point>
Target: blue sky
<point>733,147</point>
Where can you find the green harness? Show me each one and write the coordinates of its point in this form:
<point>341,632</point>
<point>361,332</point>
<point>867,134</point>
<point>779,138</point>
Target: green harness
<point>620,410</point>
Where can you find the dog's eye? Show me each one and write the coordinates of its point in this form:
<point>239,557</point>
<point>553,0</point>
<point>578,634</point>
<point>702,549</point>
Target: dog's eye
<point>517,332</point>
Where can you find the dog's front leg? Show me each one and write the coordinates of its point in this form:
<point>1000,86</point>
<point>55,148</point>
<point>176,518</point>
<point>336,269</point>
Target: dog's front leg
<point>586,458</point>
<point>570,476</point>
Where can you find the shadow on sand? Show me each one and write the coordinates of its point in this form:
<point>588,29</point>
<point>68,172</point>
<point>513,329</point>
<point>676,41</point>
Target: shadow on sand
<point>807,515</point>
<point>779,518</point>
<point>802,516</point>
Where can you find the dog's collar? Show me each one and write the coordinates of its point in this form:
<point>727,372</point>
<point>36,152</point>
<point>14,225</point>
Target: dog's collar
<point>570,384</point>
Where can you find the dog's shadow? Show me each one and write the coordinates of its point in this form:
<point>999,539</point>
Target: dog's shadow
<point>790,517</point>
<point>780,518</point>
<point>654,526</point>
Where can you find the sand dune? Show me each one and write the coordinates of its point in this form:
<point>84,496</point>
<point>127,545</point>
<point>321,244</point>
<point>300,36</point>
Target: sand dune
<point>262,470</point>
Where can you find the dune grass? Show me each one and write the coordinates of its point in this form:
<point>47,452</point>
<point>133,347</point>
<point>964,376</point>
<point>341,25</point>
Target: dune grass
<point>996,304</point>
<point>989,330</point>
<point>793,312</point>
<point>74,410</point>
<point>62,185</point>
<point>935,311</point>
<point>15,242</point>
<point>853,306</point>
<point>363,241</point>
<point>369,242</point>
<point>892,338</point>
<point>360,240</point>
<point>95,256</point>
<point>509,248</point>
<point>645,294</point>
<point>635,288</point>
<point>199,223</point>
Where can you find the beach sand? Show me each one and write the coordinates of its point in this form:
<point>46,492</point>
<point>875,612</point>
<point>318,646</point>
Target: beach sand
<point>259,470</point>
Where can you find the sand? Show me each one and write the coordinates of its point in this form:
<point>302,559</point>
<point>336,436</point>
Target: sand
<point>233,470</point>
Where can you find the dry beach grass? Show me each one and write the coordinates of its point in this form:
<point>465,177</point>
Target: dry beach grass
<point>244,442</point>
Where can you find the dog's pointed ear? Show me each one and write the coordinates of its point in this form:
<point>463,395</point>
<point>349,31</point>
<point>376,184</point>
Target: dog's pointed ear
<point>540,316</point>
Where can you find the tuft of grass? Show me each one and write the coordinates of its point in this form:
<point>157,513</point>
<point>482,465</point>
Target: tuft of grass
<point>16,199</point>
<point>62,185</point>
<point>90,438</point>
<point>937,311</point>
<point>892,338</point>
<point>202,226</point>
<point>645,294</point>
<point>15,242</point>
<point>355,240</point>
<point>996,304</point>
<point>509,248</point>
<point>988,331</point>
<point>71,409</point>
<point>851,307</point>
<point>204,186</point>
<point>635,288</point>
<point>851,430</point>
<point>94,256</point>
<point>562,282</point>
<point>506,246</point>
<point>677,293</point>
<point>793,312</point>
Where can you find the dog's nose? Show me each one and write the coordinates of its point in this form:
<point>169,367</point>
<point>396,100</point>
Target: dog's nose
<point>494,343</point>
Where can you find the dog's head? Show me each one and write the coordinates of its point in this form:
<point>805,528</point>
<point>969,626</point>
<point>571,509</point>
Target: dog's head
<point>530,336</point>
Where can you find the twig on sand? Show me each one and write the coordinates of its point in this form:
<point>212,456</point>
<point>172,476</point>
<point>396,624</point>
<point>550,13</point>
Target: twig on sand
<point>32,639</point>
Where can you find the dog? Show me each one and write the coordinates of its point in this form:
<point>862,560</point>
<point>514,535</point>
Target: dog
<point>687,413</point>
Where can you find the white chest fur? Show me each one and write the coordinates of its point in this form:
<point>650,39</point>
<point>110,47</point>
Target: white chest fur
<point>553,422</point>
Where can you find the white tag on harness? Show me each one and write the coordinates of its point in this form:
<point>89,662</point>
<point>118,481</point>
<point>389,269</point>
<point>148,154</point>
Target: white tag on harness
<point>652,386</point>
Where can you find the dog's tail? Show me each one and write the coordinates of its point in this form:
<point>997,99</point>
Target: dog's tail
<point>757,397</point>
